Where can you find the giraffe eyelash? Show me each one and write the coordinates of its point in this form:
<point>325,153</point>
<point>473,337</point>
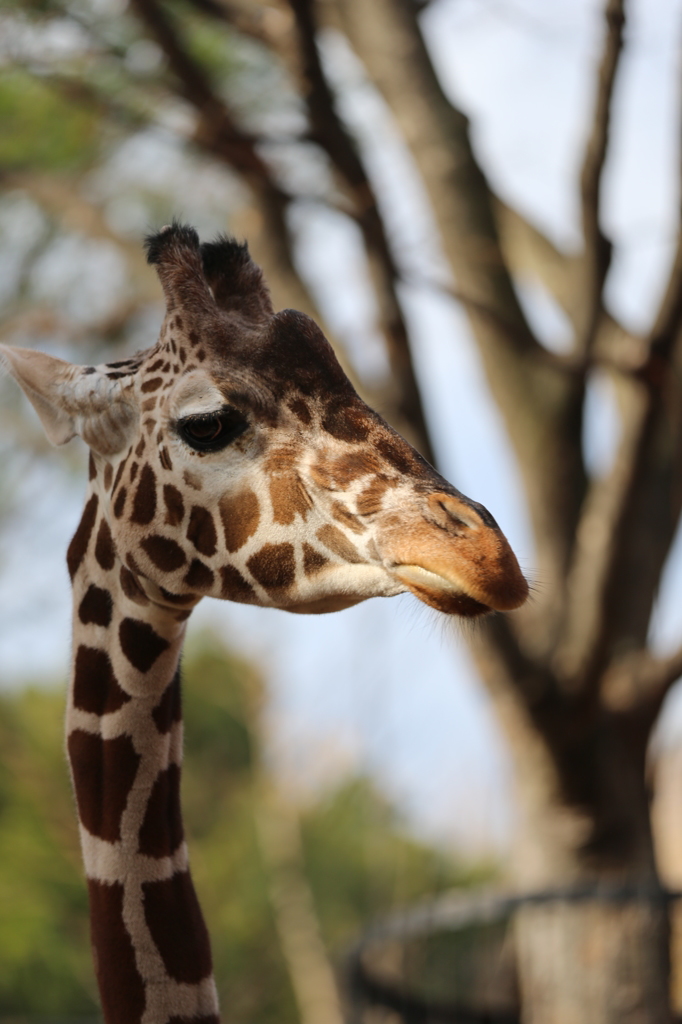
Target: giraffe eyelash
<point>212,431</point>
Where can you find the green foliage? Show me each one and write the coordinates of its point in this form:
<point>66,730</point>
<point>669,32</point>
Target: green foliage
<point>43,925</point>
<point>41,130</point>
<point>362,863</point>
<point>359,860</point>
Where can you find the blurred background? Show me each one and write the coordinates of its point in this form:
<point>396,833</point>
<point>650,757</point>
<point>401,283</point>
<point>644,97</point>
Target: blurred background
<point>369,732</point>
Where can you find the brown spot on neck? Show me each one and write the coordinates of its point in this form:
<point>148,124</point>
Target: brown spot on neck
<point>81,538</point>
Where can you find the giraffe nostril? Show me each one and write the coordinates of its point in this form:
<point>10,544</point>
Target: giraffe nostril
<point>448,512</point>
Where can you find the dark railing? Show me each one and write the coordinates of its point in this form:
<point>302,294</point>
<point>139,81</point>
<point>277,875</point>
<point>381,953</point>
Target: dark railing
<point>451,961</point>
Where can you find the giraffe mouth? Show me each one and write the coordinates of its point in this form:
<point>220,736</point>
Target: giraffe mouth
<point>446,595</point>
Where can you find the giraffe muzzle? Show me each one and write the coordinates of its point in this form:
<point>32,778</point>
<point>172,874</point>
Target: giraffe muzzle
<point>456,559</point>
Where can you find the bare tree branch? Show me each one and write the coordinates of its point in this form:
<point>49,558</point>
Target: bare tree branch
<point>529,251</point>
<point>640,681</point>
<point>540,402</point>
<point>641,504</point>
<point>218,134</point>
<point>329,130</point>
<point>597,248</point>
<point>402,401</point>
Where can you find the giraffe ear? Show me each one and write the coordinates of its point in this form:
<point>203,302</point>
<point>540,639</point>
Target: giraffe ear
<point>236,281</point>
<point>71,399</point>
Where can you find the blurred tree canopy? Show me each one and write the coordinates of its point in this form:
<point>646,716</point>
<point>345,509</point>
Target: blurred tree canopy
<point>357,857</point>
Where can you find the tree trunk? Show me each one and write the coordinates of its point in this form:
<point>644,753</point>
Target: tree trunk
<point>599,952</point>
<point>593,962</point>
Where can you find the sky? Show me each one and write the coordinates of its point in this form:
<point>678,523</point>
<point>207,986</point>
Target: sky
<point>387,687</point>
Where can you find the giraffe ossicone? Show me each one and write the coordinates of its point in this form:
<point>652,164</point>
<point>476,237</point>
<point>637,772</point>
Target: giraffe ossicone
<point>232,460</point>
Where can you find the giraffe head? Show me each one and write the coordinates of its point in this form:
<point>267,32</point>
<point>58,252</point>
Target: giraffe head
<point>234,459</point>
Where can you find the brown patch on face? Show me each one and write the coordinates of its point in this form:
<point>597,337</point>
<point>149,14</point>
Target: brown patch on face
<point>370,500</point>
<point>151,385</point>
<point>141,444</point>
<point>108,474</point>
<point>164,552</point>
<point>122,991</point>
<point>313,560</point>
<point>201,530</point>
<point>341,513</point>
<point>373,550</point>
<point>155,366</point>
<point>274,566</point>
<point>104,546</point>
<point>200,354</point>
<point>281,460</point>
<point>95,688</point>
<point>288,498</point>
<point>339,473</point>
<point>149,404</point>
<point>235,587</point>
<point>400,456</point>
<point>81,538</point>
<point>119,471</point>
<point>173,916</point>
<point>192,480</point>
<point>162,831</point>
<point>347,422</point>
<point>339,544</point>
<point>140,643</point>
<point>165,460</point>
<point>149,425</point>
<point>169,709</point>
<point>120,502</point>
<point>103,775</point>
<point>240,515</point>
<point>92,468</point>
<point>144,503</point>
<point>300,409</point>
<point>131,588</point>
<point>96,607</point>
<point>199,576</point>
<point>175,506</point>
<point>353,465</point>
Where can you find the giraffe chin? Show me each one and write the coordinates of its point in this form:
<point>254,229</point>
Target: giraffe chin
<point>324,605</point>
<point>440,593</point>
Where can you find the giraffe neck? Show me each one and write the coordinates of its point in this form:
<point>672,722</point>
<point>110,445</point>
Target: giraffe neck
<point>124,739</point>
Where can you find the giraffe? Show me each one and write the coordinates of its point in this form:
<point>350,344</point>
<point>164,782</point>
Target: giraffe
<point>233,460</point>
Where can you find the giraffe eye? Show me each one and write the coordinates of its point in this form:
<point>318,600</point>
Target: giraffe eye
<point>212,431</point>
